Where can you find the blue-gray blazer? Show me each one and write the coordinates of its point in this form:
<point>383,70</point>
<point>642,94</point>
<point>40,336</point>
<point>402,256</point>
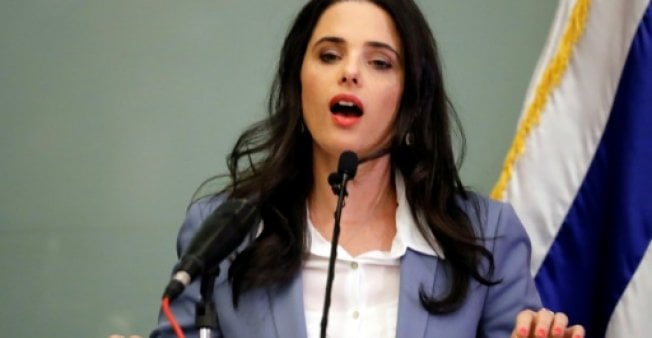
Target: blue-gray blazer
<point>488,311</point>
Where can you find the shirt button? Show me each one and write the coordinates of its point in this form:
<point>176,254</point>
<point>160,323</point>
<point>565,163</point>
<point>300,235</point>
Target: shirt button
<point>354,265</point>
<point>355,314</point>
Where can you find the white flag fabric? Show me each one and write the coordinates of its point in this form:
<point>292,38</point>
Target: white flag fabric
<point>579,172</point>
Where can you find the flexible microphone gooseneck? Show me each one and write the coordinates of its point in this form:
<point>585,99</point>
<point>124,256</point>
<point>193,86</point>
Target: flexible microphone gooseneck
<point>219,235</point>
<point>346,170</point>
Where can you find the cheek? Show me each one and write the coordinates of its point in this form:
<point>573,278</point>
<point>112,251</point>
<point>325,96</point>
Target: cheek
<point>309,80</point>
<point>306,92</point>
<point>391,100</point>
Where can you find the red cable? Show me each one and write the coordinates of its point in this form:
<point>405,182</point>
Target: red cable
<point>173,322</point>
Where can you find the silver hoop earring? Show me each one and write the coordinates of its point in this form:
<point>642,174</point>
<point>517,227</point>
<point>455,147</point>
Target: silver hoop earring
<point>409,139</point>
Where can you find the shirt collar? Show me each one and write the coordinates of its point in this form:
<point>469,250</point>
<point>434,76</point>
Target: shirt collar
<point>407,229</point>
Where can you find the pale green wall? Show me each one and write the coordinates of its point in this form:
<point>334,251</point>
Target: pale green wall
<point>112,112</point>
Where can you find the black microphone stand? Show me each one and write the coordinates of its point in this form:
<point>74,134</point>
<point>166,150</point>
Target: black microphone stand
<point>346,170</point>
<point>205,314</point>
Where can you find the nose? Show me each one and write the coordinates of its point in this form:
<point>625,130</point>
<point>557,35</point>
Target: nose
<point>351,74</point>
<point>349,78</point>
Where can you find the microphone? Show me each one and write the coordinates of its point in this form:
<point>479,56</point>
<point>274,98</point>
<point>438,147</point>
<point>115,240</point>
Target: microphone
<point>347,164</point>
<point>219,235</point>
<point>346,169</point>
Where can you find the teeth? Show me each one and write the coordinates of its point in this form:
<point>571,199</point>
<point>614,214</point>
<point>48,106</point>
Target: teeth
<point>346,103</point>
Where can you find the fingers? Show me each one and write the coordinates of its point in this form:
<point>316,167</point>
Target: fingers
<point>543,320</point>
<point>559,328</point>
<point>524,321</point>
<point>545,323</point>
<point>558,325</point>
<point>534,324</point>
<point>575,331</point>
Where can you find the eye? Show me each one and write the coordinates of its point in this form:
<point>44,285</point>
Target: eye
<point>380,64</point>
<point>328,56</point>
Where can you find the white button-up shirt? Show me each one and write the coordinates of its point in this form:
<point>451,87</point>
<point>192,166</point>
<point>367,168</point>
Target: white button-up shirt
<point>364,299</point>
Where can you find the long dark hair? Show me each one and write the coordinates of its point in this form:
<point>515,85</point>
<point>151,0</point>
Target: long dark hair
<point>272,162</point>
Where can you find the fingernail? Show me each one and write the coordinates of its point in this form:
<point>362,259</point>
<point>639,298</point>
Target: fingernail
<point>541,333</point>
<point>557,331</point>
<point>523,332</point>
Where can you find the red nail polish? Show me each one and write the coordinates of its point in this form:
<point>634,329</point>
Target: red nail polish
<point>557,332</point>
<point>541,333</point>
<point>523,332</point>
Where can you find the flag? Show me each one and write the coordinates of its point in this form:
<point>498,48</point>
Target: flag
<point>579,171</point>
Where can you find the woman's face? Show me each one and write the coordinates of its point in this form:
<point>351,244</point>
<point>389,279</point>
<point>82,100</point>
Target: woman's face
<point>352,79</point>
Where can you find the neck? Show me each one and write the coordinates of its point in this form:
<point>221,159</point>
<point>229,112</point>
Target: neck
<point>371,200</point>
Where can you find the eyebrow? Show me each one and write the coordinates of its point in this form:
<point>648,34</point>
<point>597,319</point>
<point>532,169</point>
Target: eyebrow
<point>375,44</point>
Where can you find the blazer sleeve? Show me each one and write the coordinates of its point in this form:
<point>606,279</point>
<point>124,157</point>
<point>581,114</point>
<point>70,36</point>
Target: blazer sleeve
<point>183,307</point>
<point>516,291</point>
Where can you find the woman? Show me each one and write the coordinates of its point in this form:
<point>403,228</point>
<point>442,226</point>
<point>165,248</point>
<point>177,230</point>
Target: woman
<point>419,256</point>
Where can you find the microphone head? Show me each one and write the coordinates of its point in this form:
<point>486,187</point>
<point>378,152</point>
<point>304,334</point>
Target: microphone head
<point>219,235</point>
<point>348,164</point>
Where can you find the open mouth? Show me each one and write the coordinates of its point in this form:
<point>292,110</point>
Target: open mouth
<point>346,106</point>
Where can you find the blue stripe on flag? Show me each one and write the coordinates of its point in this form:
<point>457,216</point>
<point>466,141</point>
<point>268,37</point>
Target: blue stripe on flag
<point>609,226</point>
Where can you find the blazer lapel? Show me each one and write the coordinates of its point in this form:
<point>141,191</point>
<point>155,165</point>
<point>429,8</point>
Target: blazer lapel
<point>287,309</point>
<point>418,272</point>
